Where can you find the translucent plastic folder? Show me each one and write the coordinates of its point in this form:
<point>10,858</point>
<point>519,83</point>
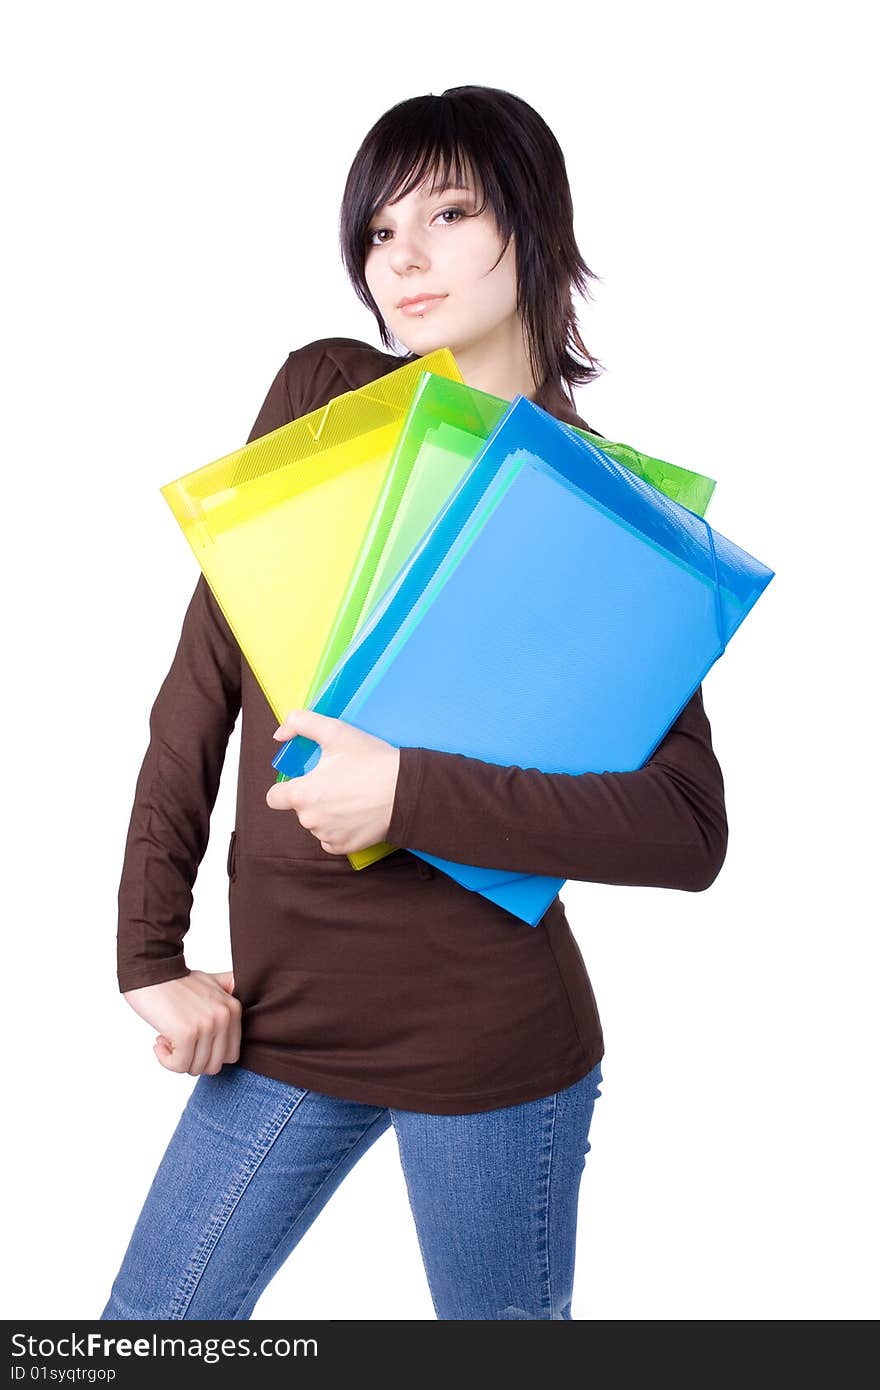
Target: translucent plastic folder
<point>447,425</point>
<point>559,614</point>
<point>277,525</point>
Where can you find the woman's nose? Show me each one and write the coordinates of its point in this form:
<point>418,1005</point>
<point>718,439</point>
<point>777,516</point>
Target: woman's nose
<point>408,255</point>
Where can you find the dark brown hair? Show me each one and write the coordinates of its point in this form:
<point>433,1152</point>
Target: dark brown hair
<point>517,160</point>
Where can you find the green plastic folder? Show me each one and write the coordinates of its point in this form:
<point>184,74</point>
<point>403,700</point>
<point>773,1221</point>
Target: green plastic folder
<point>447,425</point>
<point>278,525</point>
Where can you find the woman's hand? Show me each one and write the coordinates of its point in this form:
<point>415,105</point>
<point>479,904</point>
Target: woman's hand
<point>347,799</point>
<point>199,1019</point>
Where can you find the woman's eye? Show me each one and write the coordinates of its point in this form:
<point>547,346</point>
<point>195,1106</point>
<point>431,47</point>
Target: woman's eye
<point>442,213</point>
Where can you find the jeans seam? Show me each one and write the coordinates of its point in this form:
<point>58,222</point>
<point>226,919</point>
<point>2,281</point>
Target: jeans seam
<point>548,1300</point>
<point>191,1276</point>
<point>247,1293</point>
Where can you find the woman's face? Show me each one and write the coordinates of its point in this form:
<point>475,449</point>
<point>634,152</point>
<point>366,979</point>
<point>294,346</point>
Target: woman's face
<point>437,244</point>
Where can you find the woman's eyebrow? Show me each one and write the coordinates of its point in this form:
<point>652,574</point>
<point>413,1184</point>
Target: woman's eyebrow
<point>448,186</point>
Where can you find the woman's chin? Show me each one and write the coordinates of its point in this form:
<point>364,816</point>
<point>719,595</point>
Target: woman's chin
<point>422,345</point>
<point>424,340</point>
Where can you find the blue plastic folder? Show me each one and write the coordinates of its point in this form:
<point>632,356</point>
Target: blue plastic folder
<point>558,614</point>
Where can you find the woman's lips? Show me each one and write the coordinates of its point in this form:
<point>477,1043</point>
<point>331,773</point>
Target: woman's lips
<point>421,306</point>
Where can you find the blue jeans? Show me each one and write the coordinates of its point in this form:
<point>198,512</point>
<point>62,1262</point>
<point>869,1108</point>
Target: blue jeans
<point>252,1161</point>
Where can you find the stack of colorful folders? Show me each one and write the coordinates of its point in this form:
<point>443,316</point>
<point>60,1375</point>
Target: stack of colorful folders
<point>558,612</point>
<point>417,553</point>
<point>447,426</point>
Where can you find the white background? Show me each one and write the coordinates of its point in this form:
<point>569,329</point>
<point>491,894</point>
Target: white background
<point>175,174</point>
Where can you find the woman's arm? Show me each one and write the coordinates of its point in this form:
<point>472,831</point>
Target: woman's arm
<point>662,826</point>
<point>191,720</point>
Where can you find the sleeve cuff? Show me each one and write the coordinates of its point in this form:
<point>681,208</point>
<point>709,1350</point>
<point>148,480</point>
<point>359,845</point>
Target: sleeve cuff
<point>406,794</point>
<point>152,972</point>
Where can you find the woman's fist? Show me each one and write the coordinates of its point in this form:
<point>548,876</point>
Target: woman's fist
<point>198,1018</point>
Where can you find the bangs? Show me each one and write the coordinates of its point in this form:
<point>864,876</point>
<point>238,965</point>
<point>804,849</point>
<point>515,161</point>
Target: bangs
<point>428,151</point>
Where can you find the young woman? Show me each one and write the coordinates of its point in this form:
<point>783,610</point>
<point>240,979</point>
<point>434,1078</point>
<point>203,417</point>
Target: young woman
<point>392,996</point>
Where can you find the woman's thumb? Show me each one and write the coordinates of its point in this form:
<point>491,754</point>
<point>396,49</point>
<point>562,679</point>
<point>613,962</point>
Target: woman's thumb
<point>226,980</point>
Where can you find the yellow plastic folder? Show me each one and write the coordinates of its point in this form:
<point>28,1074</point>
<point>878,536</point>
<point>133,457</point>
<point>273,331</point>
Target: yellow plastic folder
<point>277,525</point>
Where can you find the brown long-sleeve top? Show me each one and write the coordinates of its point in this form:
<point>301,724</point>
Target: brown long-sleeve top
<point>394,985</point>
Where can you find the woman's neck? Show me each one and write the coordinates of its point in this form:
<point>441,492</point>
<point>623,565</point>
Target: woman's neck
<point>494,374</point>
<point>496,379</point>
